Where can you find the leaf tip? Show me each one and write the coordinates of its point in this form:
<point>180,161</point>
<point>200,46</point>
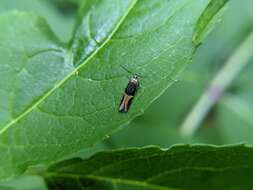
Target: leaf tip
<point>207,20</point>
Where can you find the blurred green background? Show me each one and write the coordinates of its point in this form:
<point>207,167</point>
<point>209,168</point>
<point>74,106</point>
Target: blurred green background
<point>230,121</point>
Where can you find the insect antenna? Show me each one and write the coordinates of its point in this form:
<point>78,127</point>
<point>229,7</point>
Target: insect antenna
<point>128,71</point>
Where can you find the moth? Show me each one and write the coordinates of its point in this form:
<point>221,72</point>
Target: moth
<point>129,93</point>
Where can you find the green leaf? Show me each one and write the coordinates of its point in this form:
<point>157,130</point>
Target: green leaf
<point>196,167</point>
<point>57,99</point>
<point>202,29</point>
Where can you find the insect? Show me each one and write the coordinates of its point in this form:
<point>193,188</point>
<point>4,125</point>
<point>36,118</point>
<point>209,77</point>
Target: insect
<point>128,96</point>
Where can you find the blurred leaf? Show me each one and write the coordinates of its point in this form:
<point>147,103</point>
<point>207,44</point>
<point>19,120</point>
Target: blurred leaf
<point>67,2</point>
<point>66,6</point>
<point>180,167</point>
<point>218,86</point>
<point>61,24</point>
<point>235,119</point>
<point>24,183</point>
<point>57,100</point>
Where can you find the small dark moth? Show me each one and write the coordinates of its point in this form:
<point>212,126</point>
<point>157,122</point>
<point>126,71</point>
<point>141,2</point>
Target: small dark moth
<point>130,91</point>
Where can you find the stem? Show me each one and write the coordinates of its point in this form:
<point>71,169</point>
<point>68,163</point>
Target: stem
<point>218,85</point>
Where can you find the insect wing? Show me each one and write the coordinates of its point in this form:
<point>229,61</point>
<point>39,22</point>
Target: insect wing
<point>125,103</point>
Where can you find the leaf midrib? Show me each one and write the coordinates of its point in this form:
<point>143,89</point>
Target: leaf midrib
<point>59,84</point>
